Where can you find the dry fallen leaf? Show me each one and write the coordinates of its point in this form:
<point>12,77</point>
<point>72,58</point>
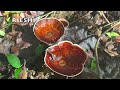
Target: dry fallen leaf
<point>110,49</point>
<point>5,46</point>
<point>111,53</point>
<point>3,22</point>
<point>98,32</point>
<point>104,38</point>
<point>23,73</point>
<point>1,13</point>
<point>19,44</point>
<point>98,19</point>
<point>117,39</point>
<point>15,50</point>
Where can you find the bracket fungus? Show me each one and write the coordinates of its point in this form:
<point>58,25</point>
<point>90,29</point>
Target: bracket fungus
<point>49,30</point>
<point>65,58</point>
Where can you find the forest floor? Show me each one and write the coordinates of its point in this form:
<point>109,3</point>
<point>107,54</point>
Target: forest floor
<point>98,32</point>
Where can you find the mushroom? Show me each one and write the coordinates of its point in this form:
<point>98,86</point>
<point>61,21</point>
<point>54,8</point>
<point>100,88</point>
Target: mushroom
<point>65,58</point>
<point>49,30</point>
<point>64,22</point>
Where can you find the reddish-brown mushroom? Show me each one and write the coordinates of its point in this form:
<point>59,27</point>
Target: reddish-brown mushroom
<point>65,58</point>
<point>49,30</point>
<point>64,22</point>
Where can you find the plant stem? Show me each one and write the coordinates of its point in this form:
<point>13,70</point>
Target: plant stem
<point>96,50</point>
<point>104,16</point>
<point>112,23</point>
<point>81,17</point>
<point>45,15</point>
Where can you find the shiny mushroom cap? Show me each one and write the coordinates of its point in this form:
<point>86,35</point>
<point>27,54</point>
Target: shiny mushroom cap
<point>64,22</point>
<point>65,58</point>
<point>49,30</point>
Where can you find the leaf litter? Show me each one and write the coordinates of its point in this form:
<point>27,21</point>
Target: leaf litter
<point>84,29</point>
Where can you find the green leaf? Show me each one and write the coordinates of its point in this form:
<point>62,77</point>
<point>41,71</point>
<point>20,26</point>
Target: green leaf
<point>93,64</point>
<point>112,34</point>
<point>13,60</point>
<point>6,13</point>
<point>17,72</point>
<point>39,50</point>
<point>13,12</point>
<point>8,19</point>
<point>2,33</point>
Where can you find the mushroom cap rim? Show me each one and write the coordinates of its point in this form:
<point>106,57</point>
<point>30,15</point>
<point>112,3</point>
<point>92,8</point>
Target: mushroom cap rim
<point>64,74</point>
<point>43,19</point>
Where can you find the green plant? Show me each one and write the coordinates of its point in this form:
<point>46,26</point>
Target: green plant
<point>9,22</point>
<point>2,33</point>
<point>112,34</point>
<point>39,49</point>
<point>11,12</point>
<point>93,64</point>
<point>13,60</point>
<point>17,72</point>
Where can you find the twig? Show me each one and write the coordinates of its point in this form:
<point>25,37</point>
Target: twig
<point>96,46</point>
<point>112,23</point>
<point>104,16</point>
<point>13,30</point>
<point>45,15</point>
<point>96,55</point>
<point>24,66</point>
<point>54,14</point>
<point>81,17</point>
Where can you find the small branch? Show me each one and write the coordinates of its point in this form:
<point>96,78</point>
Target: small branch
<point>104,16</point>
<point>112,23</point>
<point>24,63</point>
<point>45,15</point>
<point>54,14</point>
<point>96,55</point>
<point>96,46</point>
<point>13,28</point>
<point>81,17</point>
